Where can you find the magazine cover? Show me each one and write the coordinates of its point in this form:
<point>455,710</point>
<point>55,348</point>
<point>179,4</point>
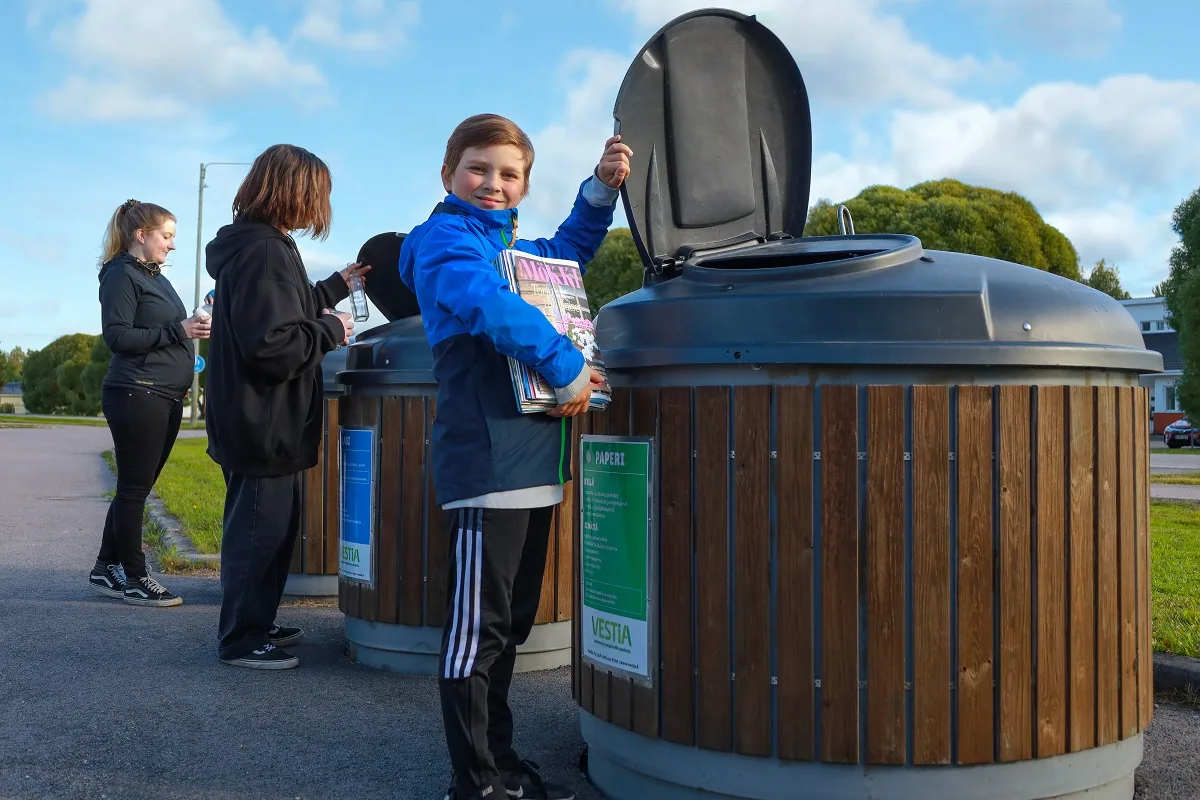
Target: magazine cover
<point>555,287</point>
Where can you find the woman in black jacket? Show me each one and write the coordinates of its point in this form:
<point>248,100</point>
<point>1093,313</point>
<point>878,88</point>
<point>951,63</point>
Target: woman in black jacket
<point>147,327</point>
<point>271,330</point>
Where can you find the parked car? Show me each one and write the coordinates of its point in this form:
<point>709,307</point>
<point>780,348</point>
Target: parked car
<point>1180,433</point>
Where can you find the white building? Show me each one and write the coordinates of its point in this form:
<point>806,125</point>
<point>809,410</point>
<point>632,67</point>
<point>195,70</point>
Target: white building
<point>1158,335</point>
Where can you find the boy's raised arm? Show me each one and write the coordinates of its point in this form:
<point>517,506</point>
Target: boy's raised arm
<point>466,284</point>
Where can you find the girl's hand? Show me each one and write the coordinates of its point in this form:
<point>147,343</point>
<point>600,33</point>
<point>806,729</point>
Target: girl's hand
<point>197,327</point>
<point>614,164</point>
<point>355,269</point>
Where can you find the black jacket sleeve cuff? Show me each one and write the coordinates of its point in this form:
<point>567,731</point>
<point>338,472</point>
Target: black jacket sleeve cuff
<point>335,288</point>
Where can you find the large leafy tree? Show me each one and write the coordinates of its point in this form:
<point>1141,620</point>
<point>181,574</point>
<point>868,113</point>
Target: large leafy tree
<point>615,271</point>
<point>53,379</point>
<point>951,215</point>
<point>12,365</point>
<point>1181,291</point>
<point>94,371</point>
<point>1107,278</point>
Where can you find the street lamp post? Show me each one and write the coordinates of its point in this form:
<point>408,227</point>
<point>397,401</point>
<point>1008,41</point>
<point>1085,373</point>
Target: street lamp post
<point>199,244</point>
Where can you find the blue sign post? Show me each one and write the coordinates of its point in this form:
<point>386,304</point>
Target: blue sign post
<point>358,504</point>
<point>199,367</point>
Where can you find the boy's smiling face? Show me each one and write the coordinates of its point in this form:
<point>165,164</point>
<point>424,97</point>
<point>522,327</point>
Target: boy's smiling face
<point>491,178</point>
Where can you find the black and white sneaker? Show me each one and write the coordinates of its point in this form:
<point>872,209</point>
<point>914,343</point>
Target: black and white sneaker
<point>149,592</point>
<point>280,636</point>
<point>526,783</point>
<point>108,579</point>
<point>266,657</point>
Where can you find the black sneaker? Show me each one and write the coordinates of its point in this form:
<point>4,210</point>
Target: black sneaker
<point>526,784</point>
<point>266,657</point>
<point>280,636</point>
<point>108,579</point>
<point>149,592</point>
<point>487,794</point>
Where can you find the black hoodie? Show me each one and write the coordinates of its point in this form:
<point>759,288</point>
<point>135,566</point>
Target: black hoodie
<point>140,316</point>
<point>264,398</point>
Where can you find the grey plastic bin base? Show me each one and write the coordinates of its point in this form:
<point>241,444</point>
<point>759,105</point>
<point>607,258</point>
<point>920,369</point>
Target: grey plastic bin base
<point>311,586</point>
<point>626,766</point>
<point>414,651</point>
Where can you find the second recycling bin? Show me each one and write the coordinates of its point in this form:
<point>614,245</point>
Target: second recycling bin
<point>394,550</point>
<point>864,519</point>
<point>314,568</point>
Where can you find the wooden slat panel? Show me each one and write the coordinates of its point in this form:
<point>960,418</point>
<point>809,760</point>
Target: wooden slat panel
<point>437,538</point>
<point>546,609</point>
<point>331,529</point>
<point>975,578</point>
<point>390,534</point>
<point>645,699</point>
<point>931,575</point>
<point>886,599</point>
<point>1126,564</point>
<point>1141,451</point>
<point>714,693</point>
<point>839,574</point>
<point>675,596</point>
<point>794,635</point>
<point>1051,574</point>
<point>1016,592</point>
<point>1081,654</point>
<point>314,516</point>
<point>1107,624</point>
<point>412,516</point>
<point>567,513</point>
<point>752,570</point>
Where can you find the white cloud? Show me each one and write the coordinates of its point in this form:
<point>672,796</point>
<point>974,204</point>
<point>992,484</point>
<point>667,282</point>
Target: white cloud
<point>380,25</point>
<point>851,53</point>
<point>1061,144</point>
<point>150,61</point>
<point>1121,234</point>
<point>1070,27</point>
<point>567,150</point>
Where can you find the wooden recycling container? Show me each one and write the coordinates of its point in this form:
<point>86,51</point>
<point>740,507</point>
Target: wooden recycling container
<point>394,622</point>
<point>898,512</point>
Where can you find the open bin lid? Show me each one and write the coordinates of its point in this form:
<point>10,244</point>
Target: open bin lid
<point>383,285</point>
<point>716,112</point>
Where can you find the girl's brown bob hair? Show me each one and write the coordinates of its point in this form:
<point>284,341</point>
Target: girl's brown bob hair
<point>486,130</point>
<point>287,188</point>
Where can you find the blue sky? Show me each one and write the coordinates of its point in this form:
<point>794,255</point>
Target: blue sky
<point>1091,108</point>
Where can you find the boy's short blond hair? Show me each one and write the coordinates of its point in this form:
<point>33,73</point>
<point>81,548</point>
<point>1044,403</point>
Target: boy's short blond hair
<point>486,130</point>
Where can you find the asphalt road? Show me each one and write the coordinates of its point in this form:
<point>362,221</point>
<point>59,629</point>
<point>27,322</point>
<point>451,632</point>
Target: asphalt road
<point>103,700</point>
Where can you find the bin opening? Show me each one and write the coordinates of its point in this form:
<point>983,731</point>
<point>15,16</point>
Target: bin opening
<point>383,285</point>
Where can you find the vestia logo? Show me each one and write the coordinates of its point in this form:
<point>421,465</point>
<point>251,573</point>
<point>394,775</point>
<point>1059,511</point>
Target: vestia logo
<point>609,631</point>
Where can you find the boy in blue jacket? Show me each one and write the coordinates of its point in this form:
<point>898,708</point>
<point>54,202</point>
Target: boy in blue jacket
<point>498,473</point>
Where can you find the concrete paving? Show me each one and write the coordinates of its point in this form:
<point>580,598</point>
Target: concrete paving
<point>103,700</point>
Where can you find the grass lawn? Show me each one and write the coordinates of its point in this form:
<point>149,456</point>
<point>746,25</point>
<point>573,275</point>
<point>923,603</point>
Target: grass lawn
<point>193,491</point>
<point>29,420</point>
<point>1175,576</point>
<point>1177,478</point>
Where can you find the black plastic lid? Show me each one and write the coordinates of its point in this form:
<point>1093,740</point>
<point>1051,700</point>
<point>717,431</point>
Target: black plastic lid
<point>394,354</point>
<point>383,284</point>
<point>716,112</point>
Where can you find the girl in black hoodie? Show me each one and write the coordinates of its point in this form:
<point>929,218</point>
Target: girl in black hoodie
<point>271,330</point>
<point>148,329</point>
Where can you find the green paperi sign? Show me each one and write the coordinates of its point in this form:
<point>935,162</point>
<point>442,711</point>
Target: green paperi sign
<point>616,490</point>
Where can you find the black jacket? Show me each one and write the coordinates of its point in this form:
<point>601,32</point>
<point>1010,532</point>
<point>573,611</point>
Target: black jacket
<point>140,316</point>
<point>264,397</point>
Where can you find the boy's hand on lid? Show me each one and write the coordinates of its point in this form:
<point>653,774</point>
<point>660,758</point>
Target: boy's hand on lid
<point>614,164</point>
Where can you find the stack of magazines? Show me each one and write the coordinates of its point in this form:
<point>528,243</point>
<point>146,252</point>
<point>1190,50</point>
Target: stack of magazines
<point>555,287</point>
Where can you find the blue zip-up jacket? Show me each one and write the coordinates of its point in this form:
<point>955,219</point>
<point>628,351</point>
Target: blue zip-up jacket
<point>481,443</point>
